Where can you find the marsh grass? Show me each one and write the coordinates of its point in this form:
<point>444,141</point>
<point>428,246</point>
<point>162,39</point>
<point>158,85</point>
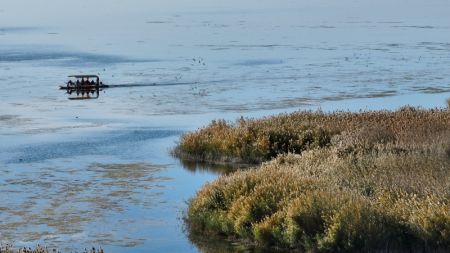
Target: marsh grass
<point>258,140</point>
<point>380,181</point>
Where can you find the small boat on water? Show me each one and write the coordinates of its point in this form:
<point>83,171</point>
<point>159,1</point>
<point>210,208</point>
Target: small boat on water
<point>83,81</point>
<point>83,86</point>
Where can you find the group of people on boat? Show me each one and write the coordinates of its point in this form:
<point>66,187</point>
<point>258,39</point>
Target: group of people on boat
<point>82,83</point>
<point>83,86</point>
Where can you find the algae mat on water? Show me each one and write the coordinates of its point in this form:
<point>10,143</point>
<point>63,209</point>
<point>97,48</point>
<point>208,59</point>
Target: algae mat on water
<point>58,207</point>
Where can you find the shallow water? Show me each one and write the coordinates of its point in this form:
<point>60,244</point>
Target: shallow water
<point>98,172</point>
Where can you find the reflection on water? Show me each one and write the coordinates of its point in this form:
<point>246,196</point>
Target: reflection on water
<point>86,92</point>
<point>216,244</point>
<point>220,169</point>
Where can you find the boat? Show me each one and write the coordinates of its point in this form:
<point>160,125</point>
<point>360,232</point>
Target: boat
<point>83,82</point>
<point>83,87</point>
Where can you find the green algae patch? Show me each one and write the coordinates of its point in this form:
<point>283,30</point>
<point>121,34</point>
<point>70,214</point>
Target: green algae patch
<point>64,202</point>
<point>6,248</point>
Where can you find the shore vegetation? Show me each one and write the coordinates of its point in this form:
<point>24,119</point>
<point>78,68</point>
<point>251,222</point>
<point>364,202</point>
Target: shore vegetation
<point>329,182</point>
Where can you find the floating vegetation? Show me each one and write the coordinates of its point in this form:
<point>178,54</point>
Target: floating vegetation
<point>379,181</point>
<point>40,249</point>
<point>64,201</point>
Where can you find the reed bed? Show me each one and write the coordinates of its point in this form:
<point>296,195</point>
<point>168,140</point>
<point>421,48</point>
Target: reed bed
<point>258,140</point>
<point>365,181</point>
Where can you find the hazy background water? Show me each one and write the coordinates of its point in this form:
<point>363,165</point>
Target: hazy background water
<point>98,172</point>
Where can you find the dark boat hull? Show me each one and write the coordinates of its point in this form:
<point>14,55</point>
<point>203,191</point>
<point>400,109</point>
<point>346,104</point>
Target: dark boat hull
<point>88,87</point>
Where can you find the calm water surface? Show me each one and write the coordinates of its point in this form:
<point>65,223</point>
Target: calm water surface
<point>76,174</point>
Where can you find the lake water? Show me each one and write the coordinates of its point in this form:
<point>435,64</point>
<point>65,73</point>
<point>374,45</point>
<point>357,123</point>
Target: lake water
<point>98,172</point>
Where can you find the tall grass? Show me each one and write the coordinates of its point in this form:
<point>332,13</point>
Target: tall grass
<point>258,140</point>
<point>381,182</point>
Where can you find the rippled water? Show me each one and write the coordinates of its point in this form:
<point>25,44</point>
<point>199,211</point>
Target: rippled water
<point>98,172</point>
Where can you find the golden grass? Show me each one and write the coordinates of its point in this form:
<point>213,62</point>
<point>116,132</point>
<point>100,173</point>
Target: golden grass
<point>381,182</point>
<point>257,140</point>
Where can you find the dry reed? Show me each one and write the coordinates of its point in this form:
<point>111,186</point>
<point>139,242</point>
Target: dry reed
<point>379,181</point>
<point>258,140</point>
